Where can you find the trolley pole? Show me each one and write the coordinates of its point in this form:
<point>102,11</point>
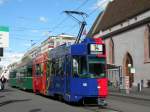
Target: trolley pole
<point>83,22</point>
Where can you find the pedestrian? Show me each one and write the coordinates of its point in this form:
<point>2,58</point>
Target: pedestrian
<point>3,81</point>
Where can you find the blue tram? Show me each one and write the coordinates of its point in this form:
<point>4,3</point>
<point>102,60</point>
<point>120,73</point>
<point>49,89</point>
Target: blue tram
<point>78,72</point>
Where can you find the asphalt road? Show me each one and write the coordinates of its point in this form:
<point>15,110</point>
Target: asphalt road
<point>14,100</point>
<point>126,104</point>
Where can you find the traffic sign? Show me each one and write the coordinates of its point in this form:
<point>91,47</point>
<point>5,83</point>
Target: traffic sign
<point>4,37</point>
<point>1,52</point>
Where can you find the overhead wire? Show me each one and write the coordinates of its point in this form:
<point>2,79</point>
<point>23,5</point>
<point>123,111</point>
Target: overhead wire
<point>58,25</point>
<point>90,13</point>
<point>66,18</point>
<point>23,39</point>
<point>63,20</point>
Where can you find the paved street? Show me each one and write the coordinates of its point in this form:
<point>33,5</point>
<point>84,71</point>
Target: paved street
<point>13,100</point>
<point>126,104</point>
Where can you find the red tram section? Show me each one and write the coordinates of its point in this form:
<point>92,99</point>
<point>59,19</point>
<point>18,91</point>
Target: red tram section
<point>39,73</point>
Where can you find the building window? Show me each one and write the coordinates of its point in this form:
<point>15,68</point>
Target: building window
<point>57,43</point>
<point>147,44</point>
<point>111,51</point>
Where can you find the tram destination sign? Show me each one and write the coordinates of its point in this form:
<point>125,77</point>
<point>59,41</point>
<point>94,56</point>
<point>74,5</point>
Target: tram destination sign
<point>96,49</point>
<point>4,37</point>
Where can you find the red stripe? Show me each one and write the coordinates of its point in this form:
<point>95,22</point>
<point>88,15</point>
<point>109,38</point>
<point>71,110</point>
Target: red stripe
<point>102,87</point>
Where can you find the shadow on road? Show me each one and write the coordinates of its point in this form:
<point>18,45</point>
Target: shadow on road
<point>12,101</point>
<point>6,90</point>
<point>2,96</point>
<point>35,110</point>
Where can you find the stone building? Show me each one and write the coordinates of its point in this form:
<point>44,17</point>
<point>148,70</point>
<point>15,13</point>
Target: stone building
<point>125,27</point>
<point>50,43</point>
<point>54,41</point>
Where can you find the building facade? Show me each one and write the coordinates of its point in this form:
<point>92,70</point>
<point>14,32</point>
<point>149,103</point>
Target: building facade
<point>126,31</point>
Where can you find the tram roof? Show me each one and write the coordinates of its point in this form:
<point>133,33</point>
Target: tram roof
<point>75,49</point>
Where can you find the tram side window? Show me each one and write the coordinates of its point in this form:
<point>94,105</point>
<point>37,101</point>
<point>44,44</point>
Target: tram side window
<point>53,68</point>
<point>75,67</point>
<point>29,71</point>
<point>83,65</point>
<point>48,68</point>
<point>42,68</point>
<point>79,65</point>
<point>60,66</point>
<point>38,69</point>
<point>57,67</point>
<point>12,74</point>
<point>22,72</point>
<point>68,67</point>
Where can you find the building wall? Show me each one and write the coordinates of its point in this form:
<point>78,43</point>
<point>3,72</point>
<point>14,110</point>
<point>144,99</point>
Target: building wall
<point>53,42</point>
<point>132,42</point>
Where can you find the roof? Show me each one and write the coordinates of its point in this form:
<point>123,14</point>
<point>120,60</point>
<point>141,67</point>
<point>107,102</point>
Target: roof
<point>94,26</point>
<point>119,11</point>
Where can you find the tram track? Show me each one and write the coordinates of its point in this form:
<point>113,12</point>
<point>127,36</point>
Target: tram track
<point>91,107</point>
<point>96,108</point>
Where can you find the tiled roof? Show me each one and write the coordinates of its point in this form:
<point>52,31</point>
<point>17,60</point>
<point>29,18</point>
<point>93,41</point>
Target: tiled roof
<point>119,11</point>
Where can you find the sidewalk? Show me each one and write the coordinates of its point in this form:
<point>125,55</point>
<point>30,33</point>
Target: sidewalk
<point>134,94</point>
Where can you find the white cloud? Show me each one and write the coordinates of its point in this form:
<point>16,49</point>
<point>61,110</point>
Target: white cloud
<point>10,57</point>
<point>2,2</point>
<point>102,4</point>
<point>43,19</point>
<point>27,45</point>
<point>46,33</point>
<point>34,31</point>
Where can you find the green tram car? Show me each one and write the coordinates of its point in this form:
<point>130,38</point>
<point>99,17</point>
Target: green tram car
<point>12,78</point>
<point>21,76</point>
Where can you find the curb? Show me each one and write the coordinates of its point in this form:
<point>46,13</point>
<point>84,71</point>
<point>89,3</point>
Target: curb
<point>128,96</point>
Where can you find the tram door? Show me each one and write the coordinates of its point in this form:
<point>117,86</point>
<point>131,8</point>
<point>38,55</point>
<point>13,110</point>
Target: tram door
<point>68,73</point>
<point>48,70</point>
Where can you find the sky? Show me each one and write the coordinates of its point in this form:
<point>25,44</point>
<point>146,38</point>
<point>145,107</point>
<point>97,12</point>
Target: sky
<point>32,21</point>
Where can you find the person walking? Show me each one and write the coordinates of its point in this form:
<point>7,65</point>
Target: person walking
<point>3,81</point>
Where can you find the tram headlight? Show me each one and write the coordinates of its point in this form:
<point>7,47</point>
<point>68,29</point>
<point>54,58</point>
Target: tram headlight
<point>84,84</point>
<point>98,87</point>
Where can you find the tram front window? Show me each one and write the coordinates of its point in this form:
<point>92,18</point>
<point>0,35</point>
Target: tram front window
<point>97,70</point>
<point>97,67</point>
<point>91,68</point>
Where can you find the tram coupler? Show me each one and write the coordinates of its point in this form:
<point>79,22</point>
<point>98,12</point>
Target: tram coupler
<point>101,102</point>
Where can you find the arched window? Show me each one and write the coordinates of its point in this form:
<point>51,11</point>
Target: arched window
<point>147,43</point>
<point>111,52</point>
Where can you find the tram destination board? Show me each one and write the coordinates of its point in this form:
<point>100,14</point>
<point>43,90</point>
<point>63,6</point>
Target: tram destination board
<point>96,49</point>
